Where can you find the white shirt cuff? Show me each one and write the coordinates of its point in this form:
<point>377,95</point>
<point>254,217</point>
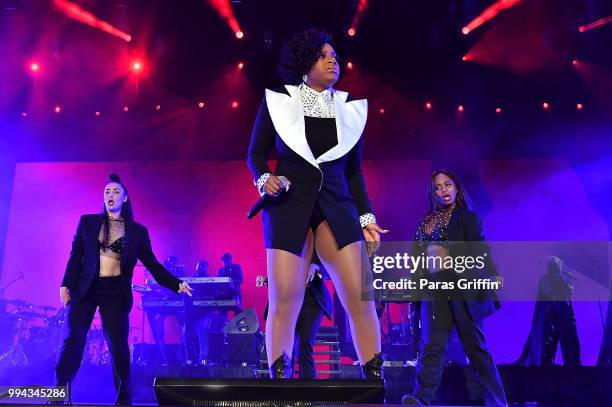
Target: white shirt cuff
<point>261,182</point>
<point>366,219</point>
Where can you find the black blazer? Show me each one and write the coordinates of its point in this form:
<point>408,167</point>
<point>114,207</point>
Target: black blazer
<point>84,262</point>
<point>333,181</point>
<point>466,238</point>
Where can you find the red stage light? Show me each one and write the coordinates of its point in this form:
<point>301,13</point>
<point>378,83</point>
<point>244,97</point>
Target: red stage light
<point>349,65</point>
<point>460,108</point>
<point>362,7</point>
<point>58,109</point>
<point>24,114</point>
<point>201,105</point>
<point>239,35</point>
<point>126,109</point>
<point>75,11</point>
<point>464,58</point>
<point>381,110</point>
<point>595,24</point>
<point>240,65</point>
<point>235,104</point>
<point>428,106</point>
<point>34,67</point>
<point>488,14</point>
<point>158,107</point>
<point>498,110</point>
<point>545,105</point>
<point>137,66</point>
<point>579,106</point>
<point>97,113</point>
<point>574,62</point>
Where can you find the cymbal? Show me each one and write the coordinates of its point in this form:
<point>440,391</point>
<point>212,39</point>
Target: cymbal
<point>28,314</point>
<point>19,303</point>
<point>45,307</point>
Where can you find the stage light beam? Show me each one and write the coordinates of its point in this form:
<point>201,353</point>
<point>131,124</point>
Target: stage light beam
<point>362,7</point>
<point>595,24</point>
<point>225,10</point>
<point>490,13</point>
<point>77,13</point>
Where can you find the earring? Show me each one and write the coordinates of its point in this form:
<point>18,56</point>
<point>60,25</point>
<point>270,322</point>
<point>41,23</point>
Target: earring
<point>304,78</point>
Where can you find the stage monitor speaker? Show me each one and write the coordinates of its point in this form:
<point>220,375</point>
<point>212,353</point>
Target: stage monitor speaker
<point>244,323</point>
<point>267,392</point>
<point>242,338</point>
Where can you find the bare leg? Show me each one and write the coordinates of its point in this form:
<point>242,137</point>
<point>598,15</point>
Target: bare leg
<point>345,269</point>
<point>286,285</point>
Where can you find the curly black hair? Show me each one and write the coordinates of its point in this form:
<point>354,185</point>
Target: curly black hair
<point>300,53</point>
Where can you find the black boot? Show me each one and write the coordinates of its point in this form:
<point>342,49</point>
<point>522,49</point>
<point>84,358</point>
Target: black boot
<point>373,368</point>
<point>281,368</point>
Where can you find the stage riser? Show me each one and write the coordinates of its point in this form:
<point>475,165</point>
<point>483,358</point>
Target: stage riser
<point>580,386</point>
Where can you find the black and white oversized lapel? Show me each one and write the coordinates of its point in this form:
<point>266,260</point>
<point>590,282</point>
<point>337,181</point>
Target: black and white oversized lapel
<point>287,116</point>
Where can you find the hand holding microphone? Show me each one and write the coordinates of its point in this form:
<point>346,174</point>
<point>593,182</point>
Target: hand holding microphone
<point>274,185</point>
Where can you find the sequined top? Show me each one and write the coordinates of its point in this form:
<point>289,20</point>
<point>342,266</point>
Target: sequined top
<point>318,104</point>
<point>434,228</point>
<point>116,247</point>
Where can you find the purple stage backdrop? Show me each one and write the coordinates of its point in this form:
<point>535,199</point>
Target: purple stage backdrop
<point>196,210</point>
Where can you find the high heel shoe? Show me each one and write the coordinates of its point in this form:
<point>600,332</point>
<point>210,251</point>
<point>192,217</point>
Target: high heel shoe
<point>373,368</point>
<point>281,368</point>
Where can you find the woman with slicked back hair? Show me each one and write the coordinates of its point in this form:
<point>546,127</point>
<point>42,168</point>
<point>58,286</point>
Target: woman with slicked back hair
<point>99,273</point>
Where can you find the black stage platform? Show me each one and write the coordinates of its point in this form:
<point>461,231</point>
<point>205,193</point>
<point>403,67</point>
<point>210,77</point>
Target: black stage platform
<point>547,386</point>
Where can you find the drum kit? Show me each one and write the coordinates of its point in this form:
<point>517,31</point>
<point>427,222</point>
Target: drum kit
<point>32,335</point>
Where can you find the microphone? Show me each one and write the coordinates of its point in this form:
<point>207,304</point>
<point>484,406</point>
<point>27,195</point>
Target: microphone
<point>21,276</point>
<point>263,201</point>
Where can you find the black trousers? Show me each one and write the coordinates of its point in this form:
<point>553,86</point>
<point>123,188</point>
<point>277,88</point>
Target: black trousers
<point>306,328</point>
<point>437,321</point>
<point>560,327</point>
<point>105,293</point>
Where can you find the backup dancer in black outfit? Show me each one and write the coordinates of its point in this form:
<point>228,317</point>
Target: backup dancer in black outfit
<point>99,275</point>
<point>317,133</point>
<point>452,229</point>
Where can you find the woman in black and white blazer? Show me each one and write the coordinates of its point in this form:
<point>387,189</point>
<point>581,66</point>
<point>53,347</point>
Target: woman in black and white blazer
<point>320,201</point>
